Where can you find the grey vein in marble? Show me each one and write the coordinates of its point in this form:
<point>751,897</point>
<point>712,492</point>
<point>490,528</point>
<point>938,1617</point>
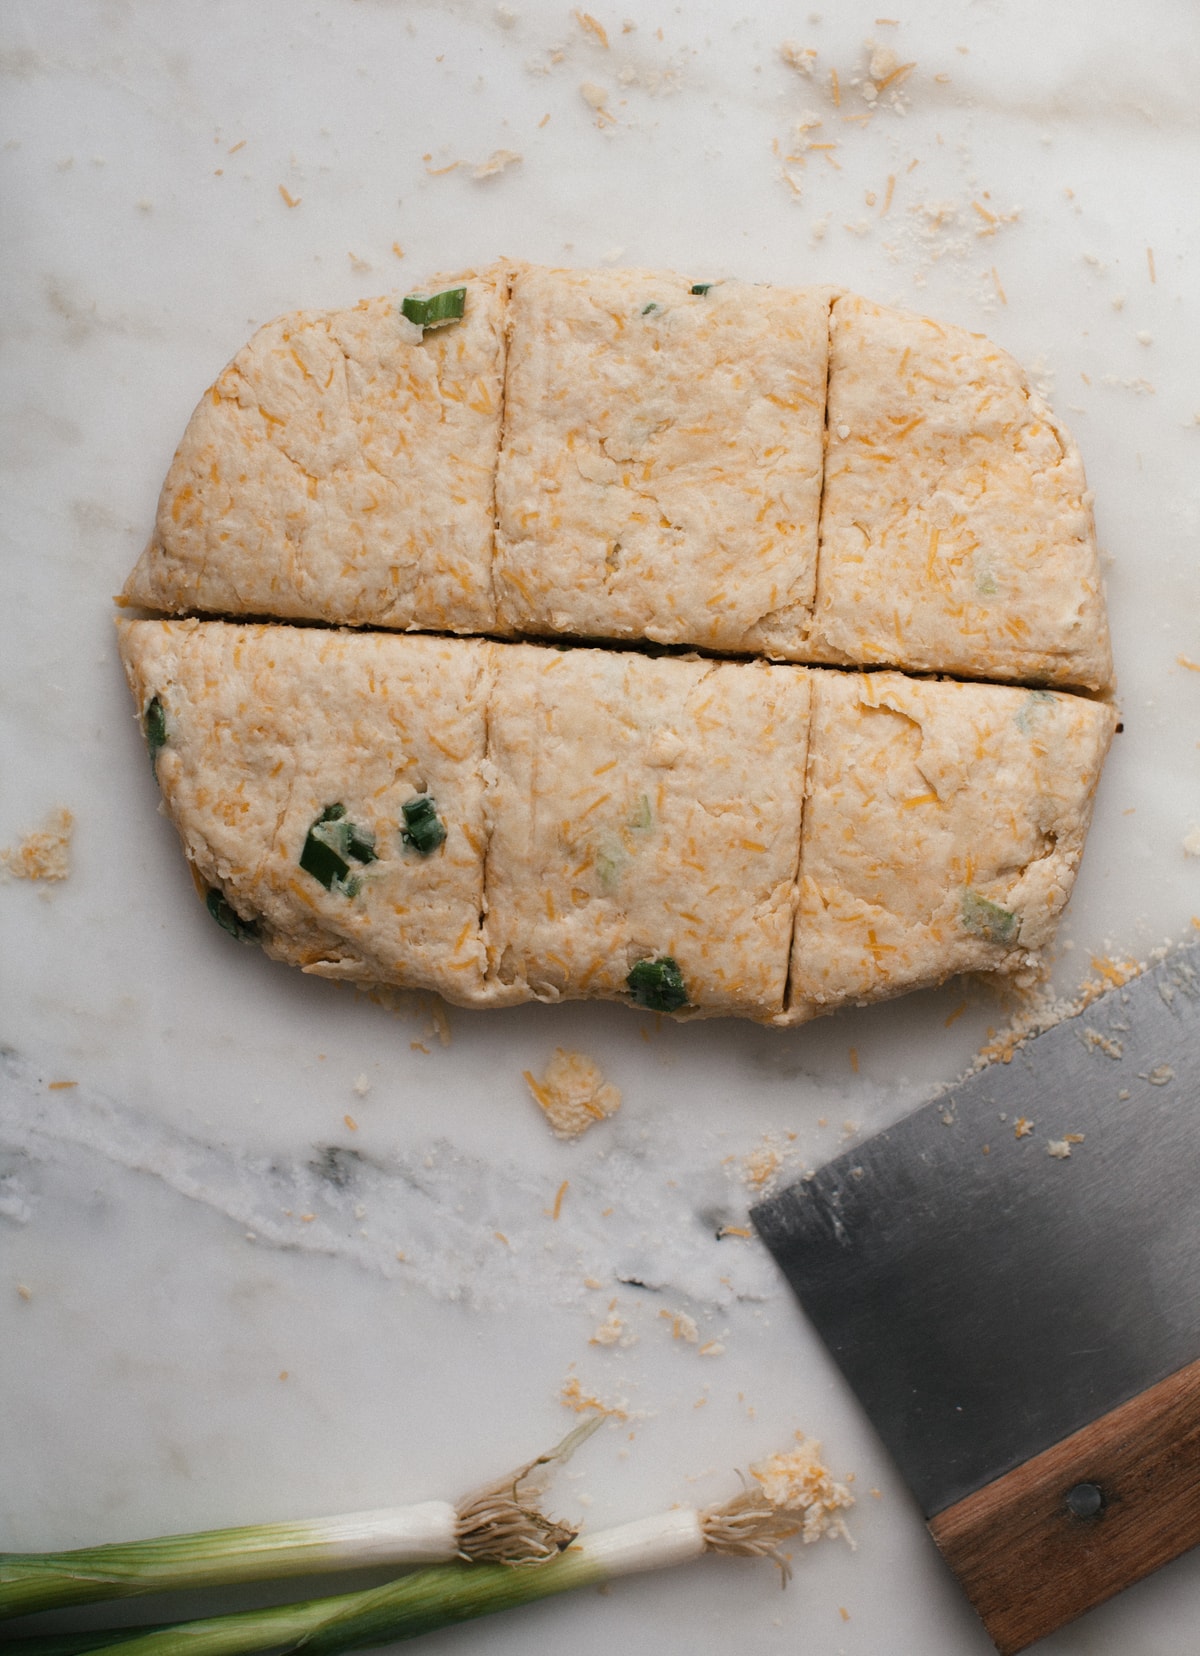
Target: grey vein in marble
<point>437,1217</point>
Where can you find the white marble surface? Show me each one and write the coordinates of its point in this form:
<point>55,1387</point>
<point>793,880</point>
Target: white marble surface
<point>180,1345</point>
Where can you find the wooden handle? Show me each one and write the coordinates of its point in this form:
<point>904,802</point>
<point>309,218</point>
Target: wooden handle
<point>1082,1520</point>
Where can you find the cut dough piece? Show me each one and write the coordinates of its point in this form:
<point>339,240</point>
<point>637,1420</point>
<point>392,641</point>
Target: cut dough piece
<point>342,469</point>
<point>644,809</point>
<point>259,730</point>
<point>942,831</point>
<point>956,530</point>
<point>660,473</point>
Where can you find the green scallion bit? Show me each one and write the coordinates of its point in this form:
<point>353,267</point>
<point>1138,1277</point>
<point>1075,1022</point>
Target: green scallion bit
<point>228,918</point>
<point>436,309</point>
<point>329,847</point>
<point>423,829</point>
<point>983,918</point>
<point>154,726</point>
<point>658,985</point>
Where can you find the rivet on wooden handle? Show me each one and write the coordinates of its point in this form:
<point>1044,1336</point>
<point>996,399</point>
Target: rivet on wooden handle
<point>1082,1520</point>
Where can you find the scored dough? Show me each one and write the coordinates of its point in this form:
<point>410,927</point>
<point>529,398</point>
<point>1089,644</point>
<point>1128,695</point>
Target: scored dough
<point>604,807</point>
<point>956,530</point>
<point>266,727</point>
<point>644,808</point>
<point>341,469</point>
<point>943,827</point>
<point>660,472</point>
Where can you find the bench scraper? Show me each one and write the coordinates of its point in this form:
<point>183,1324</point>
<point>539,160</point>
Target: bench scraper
<point>1022,1325</point>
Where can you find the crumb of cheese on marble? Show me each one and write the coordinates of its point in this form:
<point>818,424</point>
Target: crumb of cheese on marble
<point>797,1481</point>
<point>573,1094</point>
<point>43,854</point>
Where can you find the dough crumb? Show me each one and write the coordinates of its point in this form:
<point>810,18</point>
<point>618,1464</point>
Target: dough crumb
<point>683,1327</point>
<point>612,1331</point>
<point>797,1481</point>
<point>573,1396</point>
<point>1191,840</point>
<point>573,1094</point>
<point>1060,1149</point>
<point>800,58</point>
<point>496,163</point>
<point>44,854</point>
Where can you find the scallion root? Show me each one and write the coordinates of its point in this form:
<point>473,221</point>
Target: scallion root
<point>501,1524</point>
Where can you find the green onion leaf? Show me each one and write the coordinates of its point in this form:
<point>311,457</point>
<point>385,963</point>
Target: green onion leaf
<point>701,287</point>
<point>652,306</point>
<point>423,829</point>
<point>436,309</point>
<point>988,920</point>
<point>227,917</point>
<point>658,985</point>
<point>154,725</point>
<point>330,845</point>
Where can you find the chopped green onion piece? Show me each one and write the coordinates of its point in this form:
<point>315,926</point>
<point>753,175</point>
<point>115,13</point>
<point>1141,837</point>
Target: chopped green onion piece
<point>701,287</point>
<point>227,917</point>
<point>988,920</point>
<point>437,309</point>
<point>642,817</point>
<point>329,846</point>
<point>423,828</point>
<point>652,306</point>
<point>658,985</point>
<point>1032,709</point>
<point>154,724</point>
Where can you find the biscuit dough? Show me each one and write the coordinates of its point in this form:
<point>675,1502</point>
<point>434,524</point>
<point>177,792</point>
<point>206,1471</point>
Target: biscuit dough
<point>263,728</point>
<point>644,808</point>
<point>341,469</point>
<point>792,839</point>
<point>943,827</point>
<point>627,456</point>
<point>660,471</point>
<point>956,526</point>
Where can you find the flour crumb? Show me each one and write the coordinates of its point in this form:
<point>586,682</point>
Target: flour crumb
<point>1191,840</point>
<point>43,854</point>
<point>683,1327</point>
<point>573,1396</point>
<point>1060,1149</point>
<point>612,1332</point>
<point>800,58</point>
<point>1160,1075</point>
<point>1107,1044</point>
<point>496,162</point>
<point>797,1481</point>
<point>363,1085</point>
<point>596,98</point>
<point>573,1094</point>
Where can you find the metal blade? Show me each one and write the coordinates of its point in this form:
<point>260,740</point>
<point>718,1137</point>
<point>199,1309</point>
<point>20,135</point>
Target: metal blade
<point>985,1298</point>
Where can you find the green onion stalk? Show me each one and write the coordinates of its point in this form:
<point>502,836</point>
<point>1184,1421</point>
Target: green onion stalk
<point>792,1496</point>
<point>499,1523</point>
